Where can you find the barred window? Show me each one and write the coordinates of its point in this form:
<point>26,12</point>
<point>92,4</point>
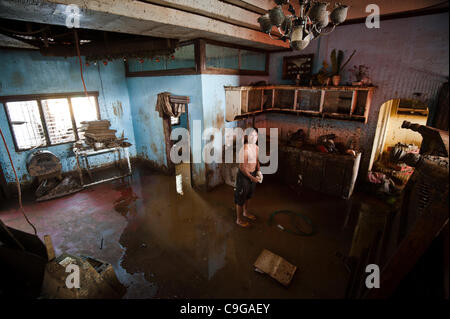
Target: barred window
<point>44,120</point>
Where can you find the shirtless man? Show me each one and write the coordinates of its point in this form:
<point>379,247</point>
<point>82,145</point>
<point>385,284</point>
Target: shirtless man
<point>247,177</point>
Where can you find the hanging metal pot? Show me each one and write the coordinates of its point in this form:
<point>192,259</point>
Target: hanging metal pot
<point>339,13</point>
<point>297,33</point>
<point>297,40</point>
<point>317,11</point>
<point>264,23</point>
<point>277,16</point>
<point>324,19</point>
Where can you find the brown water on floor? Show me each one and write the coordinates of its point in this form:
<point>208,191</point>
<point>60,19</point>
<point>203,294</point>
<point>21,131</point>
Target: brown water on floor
<point>165,244</point>
<point>189,246</point>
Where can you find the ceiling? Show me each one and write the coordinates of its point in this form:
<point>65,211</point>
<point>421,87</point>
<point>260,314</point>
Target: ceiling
<point>232,21</point>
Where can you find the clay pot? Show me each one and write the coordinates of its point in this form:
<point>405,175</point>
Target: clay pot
<point>299,45</point>
<point>324,20</point>
<point>297,40</point>
<point>336,79</point>
<point>339,13</point>
<point>317,11</point>
<point>297,34</point>
<point>265,23</point>
<point>277,16</point>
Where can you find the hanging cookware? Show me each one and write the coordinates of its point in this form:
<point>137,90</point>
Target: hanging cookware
<point>339,13</point>
<point>264,23</point>
<point>317,11</point>
<point>276,16</point>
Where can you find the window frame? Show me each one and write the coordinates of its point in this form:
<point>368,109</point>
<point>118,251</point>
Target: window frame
<point>38,98</point>
<point>200,62</point>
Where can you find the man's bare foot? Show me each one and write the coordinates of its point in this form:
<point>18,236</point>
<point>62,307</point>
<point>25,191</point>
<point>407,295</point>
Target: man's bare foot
<point>250,216</point>
<point>242,223</point>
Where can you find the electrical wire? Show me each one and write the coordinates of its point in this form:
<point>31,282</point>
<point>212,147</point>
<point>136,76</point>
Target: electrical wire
<point>19,191</point>
<point>77,45</point>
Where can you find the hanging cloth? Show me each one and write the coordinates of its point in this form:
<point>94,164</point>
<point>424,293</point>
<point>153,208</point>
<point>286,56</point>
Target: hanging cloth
<point>163,106</point>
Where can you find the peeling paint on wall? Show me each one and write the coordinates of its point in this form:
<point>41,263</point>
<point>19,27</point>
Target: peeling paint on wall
<point>117,109</point>
<point>28,72</point>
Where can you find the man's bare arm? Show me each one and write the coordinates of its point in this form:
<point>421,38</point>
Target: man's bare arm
<point>257,159</point>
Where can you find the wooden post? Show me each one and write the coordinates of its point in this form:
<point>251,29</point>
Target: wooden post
<point>322,100</point>
<point>354,101</point>
<point>295,99</point>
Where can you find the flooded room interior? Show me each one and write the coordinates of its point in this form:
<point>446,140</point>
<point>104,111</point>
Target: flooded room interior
<point>224,149</point>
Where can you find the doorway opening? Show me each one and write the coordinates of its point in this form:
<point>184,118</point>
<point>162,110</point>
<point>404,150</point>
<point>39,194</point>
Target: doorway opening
<point>389,133</point>
<point>182,171</point>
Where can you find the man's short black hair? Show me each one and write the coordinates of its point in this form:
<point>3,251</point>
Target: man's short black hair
<point>249,130</point>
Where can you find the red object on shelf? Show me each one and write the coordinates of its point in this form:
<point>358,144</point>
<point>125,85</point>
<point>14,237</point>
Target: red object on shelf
<point>322,149</point>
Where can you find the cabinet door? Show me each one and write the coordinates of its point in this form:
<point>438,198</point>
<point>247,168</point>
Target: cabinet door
<point>334,180</point>
<point>289,167</point>
<point>233,104</point>
<point>313,173</point>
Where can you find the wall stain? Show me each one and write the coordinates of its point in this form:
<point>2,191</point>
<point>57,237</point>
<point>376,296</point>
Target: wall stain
<point>143,115</point>
<point>117,109</point>
<point>17,79</point>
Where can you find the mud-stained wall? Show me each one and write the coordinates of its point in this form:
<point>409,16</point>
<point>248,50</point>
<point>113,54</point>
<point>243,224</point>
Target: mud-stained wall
<point>28,72</point>
<point>214,114</point>
<point>405,56</point>
<point>148,125</point>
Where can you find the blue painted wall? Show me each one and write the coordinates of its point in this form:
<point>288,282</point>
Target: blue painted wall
<point>28,72</point>
<point>207,105</point>
<point>148,126</point>
<point>214,113</point>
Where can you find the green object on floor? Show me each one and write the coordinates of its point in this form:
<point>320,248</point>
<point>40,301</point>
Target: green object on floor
<point>293,215</point>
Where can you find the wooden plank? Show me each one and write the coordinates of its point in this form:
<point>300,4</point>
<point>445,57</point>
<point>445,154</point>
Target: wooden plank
<point>262,100</point>
<point>275,266</point>
<point>295,99</point>
<point>233,104</point>
<point>200,55</point>
<point>49,246</point>
<point>218,10</point>
<point>252,7</point>
<point>273,98</point>
<point>244,101</point>
<point>354,102</point>
<point>322,100</point>
<point>368,103</point>
<point>295,87</point>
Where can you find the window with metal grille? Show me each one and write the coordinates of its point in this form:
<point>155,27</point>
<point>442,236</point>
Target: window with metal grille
<point>44,120</point>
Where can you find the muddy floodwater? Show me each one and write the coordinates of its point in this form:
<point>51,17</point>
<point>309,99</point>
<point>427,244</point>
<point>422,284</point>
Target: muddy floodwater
<point>167,240</point>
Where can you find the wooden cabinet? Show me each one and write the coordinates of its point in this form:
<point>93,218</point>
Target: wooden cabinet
<point>332,174</point>
<point>340,102</point>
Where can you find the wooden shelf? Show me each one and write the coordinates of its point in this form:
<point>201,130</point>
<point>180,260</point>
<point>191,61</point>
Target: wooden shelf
<point>336,102</point>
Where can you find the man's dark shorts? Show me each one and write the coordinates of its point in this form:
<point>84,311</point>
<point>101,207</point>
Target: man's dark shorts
<point>244,188</point>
